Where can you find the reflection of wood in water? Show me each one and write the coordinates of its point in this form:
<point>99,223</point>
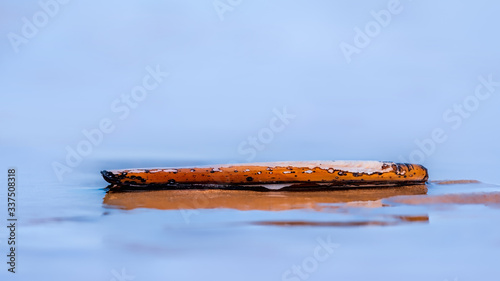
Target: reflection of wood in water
<point>489,198</point>
<point>455,182</point>
<point>392,220</point>
<point>250,200</point>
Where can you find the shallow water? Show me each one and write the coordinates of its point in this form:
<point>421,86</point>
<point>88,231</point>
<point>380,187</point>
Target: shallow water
<point>399,99</point>
<point>441,231</point>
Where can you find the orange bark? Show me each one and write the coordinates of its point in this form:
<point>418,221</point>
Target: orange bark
<point>269,173</point>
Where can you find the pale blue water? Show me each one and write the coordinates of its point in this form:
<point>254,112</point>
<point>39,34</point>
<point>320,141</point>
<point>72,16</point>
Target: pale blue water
<point>66,232</point>
<point>271,72</point>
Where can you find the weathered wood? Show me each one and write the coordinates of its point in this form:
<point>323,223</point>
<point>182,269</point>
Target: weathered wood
<point>273,175</point>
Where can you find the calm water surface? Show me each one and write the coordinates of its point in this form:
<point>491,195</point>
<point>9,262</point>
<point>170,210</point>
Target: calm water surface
<point>78,230</point>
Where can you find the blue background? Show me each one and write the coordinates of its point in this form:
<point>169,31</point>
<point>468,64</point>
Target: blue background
<point>227,76</point>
